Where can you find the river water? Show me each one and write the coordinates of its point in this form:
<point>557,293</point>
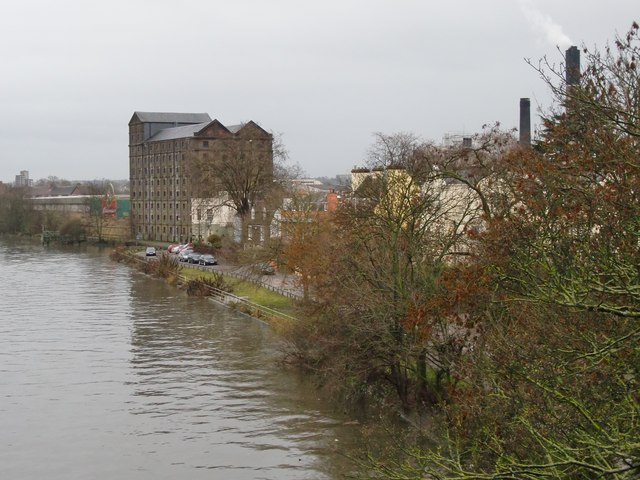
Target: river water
<point>106,373</point>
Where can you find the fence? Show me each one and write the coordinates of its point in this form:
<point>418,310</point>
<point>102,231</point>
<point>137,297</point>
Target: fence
<point>248,277</point>
<point>242,304</point>
<point>239,303</point>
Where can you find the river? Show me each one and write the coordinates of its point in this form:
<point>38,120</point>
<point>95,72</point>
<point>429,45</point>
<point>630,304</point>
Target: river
<point>106,373</point>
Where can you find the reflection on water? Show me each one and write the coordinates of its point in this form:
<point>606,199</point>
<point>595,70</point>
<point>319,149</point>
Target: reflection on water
<point>107,373</point>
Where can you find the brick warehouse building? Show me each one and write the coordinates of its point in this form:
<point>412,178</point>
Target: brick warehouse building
<point>162,146</point>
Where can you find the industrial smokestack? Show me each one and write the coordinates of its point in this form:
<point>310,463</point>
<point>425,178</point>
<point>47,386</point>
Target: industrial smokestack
<point>572,61</point>
<point>525,122</point>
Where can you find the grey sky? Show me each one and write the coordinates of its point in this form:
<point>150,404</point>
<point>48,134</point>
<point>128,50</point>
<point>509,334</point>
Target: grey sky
<point>325,74</point>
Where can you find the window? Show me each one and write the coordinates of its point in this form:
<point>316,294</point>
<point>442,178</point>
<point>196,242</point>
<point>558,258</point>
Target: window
<point>205,144</point>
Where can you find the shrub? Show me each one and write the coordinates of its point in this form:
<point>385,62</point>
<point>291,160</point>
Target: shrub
<point>167,267</point>
<point>215,240</point>
<point>206,286</point>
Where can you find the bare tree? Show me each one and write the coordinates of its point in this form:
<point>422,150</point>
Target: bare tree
<point>392,150</point>
<point>237,168</point>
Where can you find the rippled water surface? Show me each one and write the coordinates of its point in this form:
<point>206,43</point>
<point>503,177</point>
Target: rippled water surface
<point>108,374</point>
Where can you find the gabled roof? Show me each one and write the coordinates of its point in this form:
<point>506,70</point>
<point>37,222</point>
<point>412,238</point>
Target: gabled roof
<point>250,125</point>
<point>67,191</point>
<point>213,128</point>
<point>205,128</point>
<point>170,117</point>
<point>40,191</point>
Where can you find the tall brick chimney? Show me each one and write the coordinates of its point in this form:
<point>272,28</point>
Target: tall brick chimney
<point>525,122</point>
<point>572,61</point>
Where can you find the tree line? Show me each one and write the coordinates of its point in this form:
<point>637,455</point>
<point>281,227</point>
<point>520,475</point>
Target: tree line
<point>496,286</point>
<point>18,216</point>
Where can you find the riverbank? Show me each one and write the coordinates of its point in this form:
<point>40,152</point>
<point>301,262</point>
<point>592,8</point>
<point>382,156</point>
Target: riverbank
<point>233,289</point>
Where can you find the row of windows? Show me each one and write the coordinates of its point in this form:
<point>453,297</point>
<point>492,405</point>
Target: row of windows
<point>141,194</point>
<point>209,214</point>
<point>156,147</point>
<point>150,205</point>
<point>146,181</point>
<point>168,159</point>
<point>150,217</point>
<point>149,154</point>
<point>150,171</point>
<point>149,230</point>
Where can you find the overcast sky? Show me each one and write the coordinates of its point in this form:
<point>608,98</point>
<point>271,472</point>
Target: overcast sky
<point>324,74</point>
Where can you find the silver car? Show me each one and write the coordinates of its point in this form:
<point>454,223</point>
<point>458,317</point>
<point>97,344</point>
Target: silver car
<point>183,256</point>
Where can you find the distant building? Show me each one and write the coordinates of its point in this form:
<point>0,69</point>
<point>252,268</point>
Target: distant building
<point>308,184</point>
<point>89,209</point>
<point>55,191</point>
<point>23,179</point>
<point>161,145</point>
<point>212,216</point>
<point>457,140</point>
<point>305,208</point>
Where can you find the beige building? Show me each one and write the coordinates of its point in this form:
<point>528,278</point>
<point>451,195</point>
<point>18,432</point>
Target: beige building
<point>161,148</point>
<point>453,206</point>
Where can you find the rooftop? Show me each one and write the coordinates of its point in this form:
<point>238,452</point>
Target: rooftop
<point>172,117</point>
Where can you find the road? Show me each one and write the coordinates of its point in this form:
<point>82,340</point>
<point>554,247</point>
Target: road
<point>285,284</point>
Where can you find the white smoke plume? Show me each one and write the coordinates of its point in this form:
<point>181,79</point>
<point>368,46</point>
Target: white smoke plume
<point>544,25</point>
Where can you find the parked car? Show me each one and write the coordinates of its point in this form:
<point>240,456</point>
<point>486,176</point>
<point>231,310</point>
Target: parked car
<point>208,259</point>
<point>171,247</point>
<point>183,256</point>
<point>193,257</point>
<point>150,252</point>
